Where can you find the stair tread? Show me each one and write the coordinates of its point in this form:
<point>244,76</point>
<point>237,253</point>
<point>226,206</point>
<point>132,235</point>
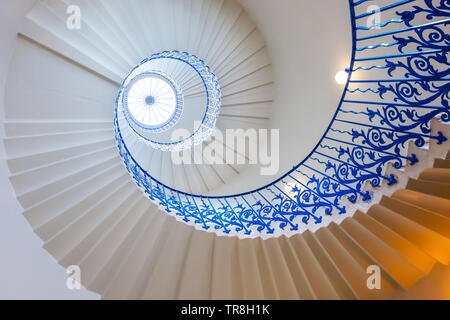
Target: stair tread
<point>266,267</point>
<point>250,276</point>
<point>351,270</point>
<point>110,268</point>
<point>225,272</point>
<point>427,218</point>
<point>150,258</point>
<point>362,257</point>
<point>35,161</point>
<point>414,255</point>
<point>441,175</point>
<point>388,258</point>
<point>338,281</point>
<point>70,237</point>
<point>53,225</point>
<point>434,188</point>
<point>316,276</point>
<point>104,249</point>
<point>120,284</point>
<point>436,245</point>
<point>196,279</point>
<point>167,272</point>
<point>39,213</point>
<point>285,284</point>
<point>62,166</point>
<point>299,278</point>
<point>27,199</point>
<point>442,163</point>
<point>423,200</point>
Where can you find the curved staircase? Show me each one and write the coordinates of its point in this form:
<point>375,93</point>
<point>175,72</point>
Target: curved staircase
<point>374,191</point>
<point>108,46</point>
<point>406,235</point>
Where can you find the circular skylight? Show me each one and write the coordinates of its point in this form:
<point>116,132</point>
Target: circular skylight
<point>152,101</point>
<point>155,92</point>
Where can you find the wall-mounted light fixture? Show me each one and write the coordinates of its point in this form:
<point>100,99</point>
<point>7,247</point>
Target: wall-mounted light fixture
<point>341,77</point>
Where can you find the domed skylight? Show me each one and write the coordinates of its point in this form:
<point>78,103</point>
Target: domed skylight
<point>151,100</point>
<point>155,92</point>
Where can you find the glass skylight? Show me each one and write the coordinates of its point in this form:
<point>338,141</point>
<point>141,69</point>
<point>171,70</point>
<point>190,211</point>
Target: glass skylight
<point>151,100</point>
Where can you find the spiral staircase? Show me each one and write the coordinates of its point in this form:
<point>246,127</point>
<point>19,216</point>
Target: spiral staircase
<point>102,193</point>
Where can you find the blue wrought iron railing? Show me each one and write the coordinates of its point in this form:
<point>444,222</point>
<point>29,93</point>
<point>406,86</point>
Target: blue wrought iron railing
<point>398,83</point>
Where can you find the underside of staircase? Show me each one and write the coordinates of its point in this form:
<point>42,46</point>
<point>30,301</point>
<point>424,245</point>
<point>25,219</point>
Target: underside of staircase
<point>407,235</point>
<point>127,248</point>
<point>373,194</point>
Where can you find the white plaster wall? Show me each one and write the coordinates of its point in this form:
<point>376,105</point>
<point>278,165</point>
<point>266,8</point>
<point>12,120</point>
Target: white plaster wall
<point>309,42</point>
<point>27,271</point>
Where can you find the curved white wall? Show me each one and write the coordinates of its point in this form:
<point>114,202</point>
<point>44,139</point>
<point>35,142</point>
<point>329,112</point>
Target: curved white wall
<point>27,271</point>
<point>309,42</point>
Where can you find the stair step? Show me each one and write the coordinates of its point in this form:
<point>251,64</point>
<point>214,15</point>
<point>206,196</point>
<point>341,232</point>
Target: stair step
<point>196,279</point>
<point>103,251</point>
<point>386,257</point>
<point>26,181</point>
<point>415,256</point>
<point>32,128</point>
<point>300,281</point>
<point>120,286</point>
<point>72,242</point>
<point>150,256</point>
<point>38,160</point>
<point>429,219</point>
<point>165,277</point>
<point>440,175</point>
<point>226,282</point>
<point>388,284</point>
<point>35,30</point>
<point>121,253</point>
<point>442,163</point>
<point>27,146</point>
<point>339,282</point>
<point>62,219</point>
<point>250,276</point>
<point>57,203</point>
<point>429,241</point>
<point>429,187</point>
<point>316,276</point>
<point>268,278</point>
<point>281,274</point>
<point>428,202</point>
<point>41,192</point>
<point>350,269</point>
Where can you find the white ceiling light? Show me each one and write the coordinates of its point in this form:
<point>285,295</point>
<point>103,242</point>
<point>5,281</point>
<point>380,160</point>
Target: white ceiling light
<point>341,77</point>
